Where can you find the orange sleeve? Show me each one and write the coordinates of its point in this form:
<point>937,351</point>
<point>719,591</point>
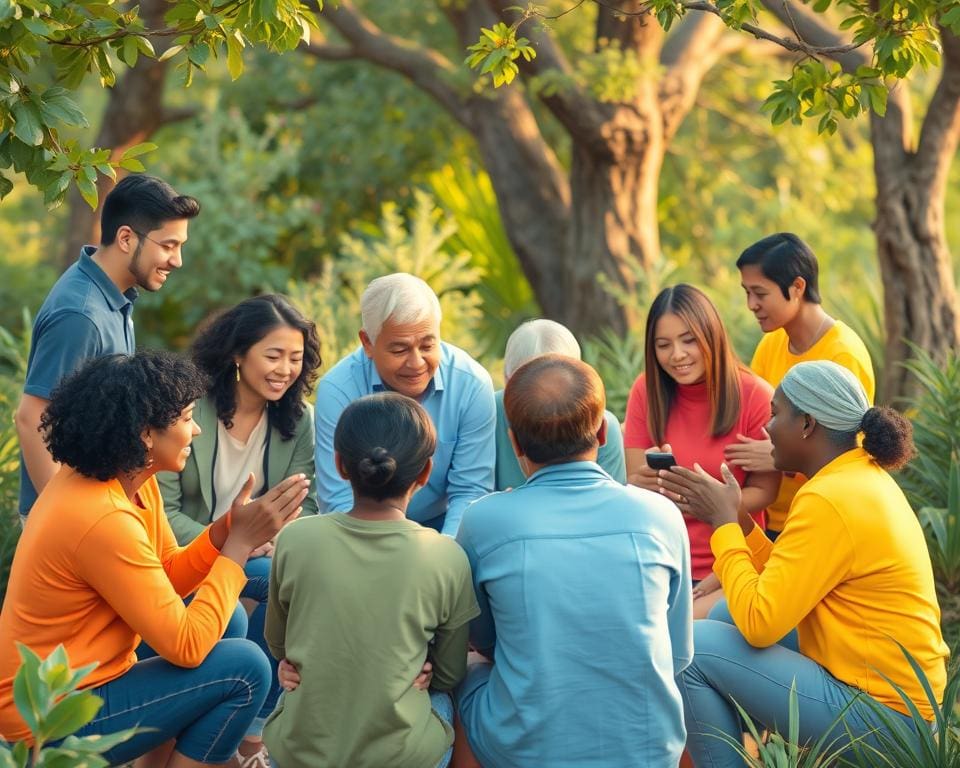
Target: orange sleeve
<point>186,567</point>
<point>119,560</point>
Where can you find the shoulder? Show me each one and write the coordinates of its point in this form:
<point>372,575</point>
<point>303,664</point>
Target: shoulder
<point>753,388</point>
<point>771,344</point>
<point>349,376</point>
<point>457,363</point>
<point>846,342</point>
<point>638,392</point>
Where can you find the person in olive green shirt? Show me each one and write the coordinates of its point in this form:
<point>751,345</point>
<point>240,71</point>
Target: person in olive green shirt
<point>533,339</point>
<point>360,600</point>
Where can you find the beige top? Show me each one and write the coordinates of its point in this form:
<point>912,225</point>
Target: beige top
<point>234,463</point>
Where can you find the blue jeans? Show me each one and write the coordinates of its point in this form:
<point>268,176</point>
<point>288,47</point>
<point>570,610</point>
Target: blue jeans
<point>725,666</point>
<point>206,709</point>
<point>257,588</point>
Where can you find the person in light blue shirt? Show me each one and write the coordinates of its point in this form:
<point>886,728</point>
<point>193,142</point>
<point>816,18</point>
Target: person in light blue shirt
<point>401,351</point>
<point>585,595</point>
<point>532,339</point>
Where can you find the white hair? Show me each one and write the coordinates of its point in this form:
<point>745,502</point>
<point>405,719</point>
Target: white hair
<point>535,338</point>
<point>400,297</point>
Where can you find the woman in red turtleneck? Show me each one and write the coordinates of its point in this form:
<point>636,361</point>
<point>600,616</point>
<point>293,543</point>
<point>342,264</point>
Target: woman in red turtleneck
<point>694,398</point>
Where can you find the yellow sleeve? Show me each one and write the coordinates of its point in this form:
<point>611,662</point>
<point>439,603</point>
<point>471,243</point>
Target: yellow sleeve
<point>863,372</point>
<point>810,557</point>
<point>118,559</point>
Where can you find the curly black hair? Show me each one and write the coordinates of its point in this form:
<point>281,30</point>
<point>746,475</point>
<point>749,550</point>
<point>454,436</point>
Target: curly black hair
<point>231,333</point>
<point>96,415</point>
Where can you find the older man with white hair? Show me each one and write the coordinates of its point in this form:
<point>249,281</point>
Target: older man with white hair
<point>530,340</point>
<point>401,351</point>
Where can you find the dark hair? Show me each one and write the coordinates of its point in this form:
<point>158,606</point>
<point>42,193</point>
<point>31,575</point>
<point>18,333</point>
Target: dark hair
<point>96,415</point>
<point>719,360</point>
<point>231,333</point>
<point>887,436</point>
<point>143,203</point>
<point>783,258</point>
<point>554,405</point>
<point>384,442</point>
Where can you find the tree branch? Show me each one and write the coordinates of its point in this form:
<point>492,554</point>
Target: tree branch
<point>571,104</point>
<point>328,52</point>
<point>813,35</point>
<point>426,68</point>
<point>940,131</point>
<point>689,53</point>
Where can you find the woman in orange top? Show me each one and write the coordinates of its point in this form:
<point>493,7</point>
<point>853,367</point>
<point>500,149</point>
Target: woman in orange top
<point>98,568</point>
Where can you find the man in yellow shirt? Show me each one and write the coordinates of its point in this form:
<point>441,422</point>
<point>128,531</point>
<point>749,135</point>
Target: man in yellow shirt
<point>780,276</point>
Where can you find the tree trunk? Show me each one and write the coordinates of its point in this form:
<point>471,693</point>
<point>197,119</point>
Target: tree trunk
<point>133,114</point>
<point>919,297</point>
<point>614,236</point>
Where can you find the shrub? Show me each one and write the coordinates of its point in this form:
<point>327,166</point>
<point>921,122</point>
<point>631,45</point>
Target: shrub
<point>46,696</point>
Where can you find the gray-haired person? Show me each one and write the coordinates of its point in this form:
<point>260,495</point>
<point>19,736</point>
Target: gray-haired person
<point>401,351</point>
<point>531,340</point>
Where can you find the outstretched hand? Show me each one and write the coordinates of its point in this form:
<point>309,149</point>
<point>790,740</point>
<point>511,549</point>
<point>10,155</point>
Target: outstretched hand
<point>254,523</point>
<point>696,493</point>
<point>751,455</point>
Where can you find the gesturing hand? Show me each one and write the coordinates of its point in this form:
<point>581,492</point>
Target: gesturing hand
<point>255,523</point>
<point>422,681</point>
<point>751,455</point>
<point>700,495</point>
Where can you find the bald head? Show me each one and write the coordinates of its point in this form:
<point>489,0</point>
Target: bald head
<point>554,405</point>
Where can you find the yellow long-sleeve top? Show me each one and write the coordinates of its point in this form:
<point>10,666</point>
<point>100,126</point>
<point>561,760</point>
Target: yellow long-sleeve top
<point>95,572</point>
<point>771,361</point>
<point>852,573</point>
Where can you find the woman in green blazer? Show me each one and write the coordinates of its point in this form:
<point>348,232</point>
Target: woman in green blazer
<point>256,429</point>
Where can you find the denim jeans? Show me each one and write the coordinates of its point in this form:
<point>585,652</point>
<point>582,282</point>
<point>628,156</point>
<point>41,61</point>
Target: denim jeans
<point>257,588</point>
<point>206,709</point>
<point>726,667</point>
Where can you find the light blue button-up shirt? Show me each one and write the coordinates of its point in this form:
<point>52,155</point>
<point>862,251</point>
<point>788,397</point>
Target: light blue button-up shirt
<point>459,400</point>
<point>585,594</point>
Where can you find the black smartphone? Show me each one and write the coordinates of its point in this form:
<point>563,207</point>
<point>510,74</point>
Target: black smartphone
<point>661,460</point>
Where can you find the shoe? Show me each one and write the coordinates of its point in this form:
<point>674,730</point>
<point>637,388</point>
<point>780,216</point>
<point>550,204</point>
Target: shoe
<point>258,759</point>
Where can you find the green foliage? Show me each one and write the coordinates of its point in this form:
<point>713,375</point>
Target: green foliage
<point>777,751</point>
<point>815,90</point>
<point>37,110</point>
<point>506,299</point>
<point>415,245</point>
<point>13,368</point>
<point>942,526</point>
<point>247,224</point>
<point>618,360</point>
<point>497,50</point>
<point>901,36</point>
<point>46,696</point>
<point>919,745</point>
<point>935,414</point>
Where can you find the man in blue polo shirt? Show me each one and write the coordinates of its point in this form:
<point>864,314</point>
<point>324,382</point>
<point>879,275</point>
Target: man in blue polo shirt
<point>89,310</point>
<point>401,351</point>
<point>584,592</point>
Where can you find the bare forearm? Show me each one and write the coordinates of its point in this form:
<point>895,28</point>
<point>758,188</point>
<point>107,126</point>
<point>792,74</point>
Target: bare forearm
<point>36,458</point>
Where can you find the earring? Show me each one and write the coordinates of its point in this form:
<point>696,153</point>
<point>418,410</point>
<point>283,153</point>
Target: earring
<point>803,436</point>
<point>149,459</point>
<point>238,371</point>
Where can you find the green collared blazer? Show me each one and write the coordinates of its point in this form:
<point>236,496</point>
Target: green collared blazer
<point>188,496</point>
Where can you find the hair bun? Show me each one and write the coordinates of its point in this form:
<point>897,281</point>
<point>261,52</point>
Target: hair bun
<point>378,468</point>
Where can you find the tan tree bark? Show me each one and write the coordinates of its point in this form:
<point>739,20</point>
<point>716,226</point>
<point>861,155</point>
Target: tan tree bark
<point>574,233</point>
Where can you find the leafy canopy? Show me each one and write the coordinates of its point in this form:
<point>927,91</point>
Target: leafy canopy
<point>903,34</point>
<point>86,38</point>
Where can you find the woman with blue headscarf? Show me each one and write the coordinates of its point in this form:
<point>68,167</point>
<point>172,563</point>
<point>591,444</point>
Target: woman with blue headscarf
<point>825,606</point>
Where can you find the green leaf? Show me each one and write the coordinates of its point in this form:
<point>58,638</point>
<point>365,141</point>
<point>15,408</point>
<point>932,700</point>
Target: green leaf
<point>6,186</point>
<point>30,696</point>
<point>132,164</point>
<point>97,743</point>
<point>130,51</point>
<point>9,10</point>
<point>28,125</point>
<point>138,149</point>
<point>70,714</point>
<point>57,106</point>
<point>234,57</point>
<point>172,51</point>
<point>88,190</point>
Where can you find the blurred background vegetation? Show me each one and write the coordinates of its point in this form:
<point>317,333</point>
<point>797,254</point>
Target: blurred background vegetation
<point>316,176</point>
